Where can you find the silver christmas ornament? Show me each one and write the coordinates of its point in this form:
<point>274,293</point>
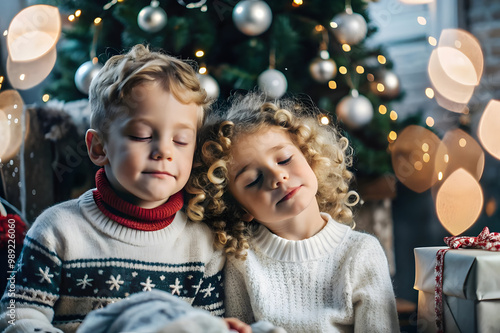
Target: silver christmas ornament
<point>152,18</point>
<point>355,110</point>
<point>210,85</point>
<point>84,75</point>
<point>385,84</point>
<point>192,3</point>
<point>252,17</point>
<point>273,83</point>
<point>323,70</point>
<point>349,28</point>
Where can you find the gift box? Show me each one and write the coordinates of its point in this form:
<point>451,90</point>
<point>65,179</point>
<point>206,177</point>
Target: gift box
<point>471,290</point>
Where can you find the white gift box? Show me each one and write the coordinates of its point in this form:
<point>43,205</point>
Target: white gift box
<point>471,290</point>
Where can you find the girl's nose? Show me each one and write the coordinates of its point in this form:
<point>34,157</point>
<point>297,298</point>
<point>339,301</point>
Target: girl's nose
<point>163,150</point>
<point>278,178</point>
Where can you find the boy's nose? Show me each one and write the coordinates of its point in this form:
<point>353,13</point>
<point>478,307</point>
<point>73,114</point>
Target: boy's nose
<point>162,151</point>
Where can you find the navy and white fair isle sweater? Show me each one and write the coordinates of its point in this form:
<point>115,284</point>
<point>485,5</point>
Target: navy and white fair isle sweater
<point>85,253</point>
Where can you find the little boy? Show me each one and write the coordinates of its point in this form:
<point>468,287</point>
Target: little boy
<point>129,234</point>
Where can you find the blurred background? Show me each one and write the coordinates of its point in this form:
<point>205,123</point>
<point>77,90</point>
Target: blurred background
<point>411,83</point>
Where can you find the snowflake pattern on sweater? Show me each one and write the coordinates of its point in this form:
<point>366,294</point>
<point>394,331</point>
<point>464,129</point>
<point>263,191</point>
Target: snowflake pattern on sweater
<point>58,276</point>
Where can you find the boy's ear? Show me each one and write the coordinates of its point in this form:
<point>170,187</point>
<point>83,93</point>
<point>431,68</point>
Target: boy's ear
<point>95,148</point>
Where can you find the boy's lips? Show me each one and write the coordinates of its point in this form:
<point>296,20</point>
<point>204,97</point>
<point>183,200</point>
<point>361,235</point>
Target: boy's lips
<point>159,174</point>
<point>290,194</point>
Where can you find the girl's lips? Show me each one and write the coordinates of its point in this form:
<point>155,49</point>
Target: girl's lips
<point>290,194</point>
<point>158,174</point>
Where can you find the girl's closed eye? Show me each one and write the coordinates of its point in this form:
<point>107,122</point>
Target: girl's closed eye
<point>285,161</point>
<point>255,181</point>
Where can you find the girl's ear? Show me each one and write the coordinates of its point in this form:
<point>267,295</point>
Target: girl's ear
<point>95,148</point>
<point>247,217</point>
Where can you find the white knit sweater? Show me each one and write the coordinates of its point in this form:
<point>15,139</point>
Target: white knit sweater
<point>336,281</point>
<point>75,260</point>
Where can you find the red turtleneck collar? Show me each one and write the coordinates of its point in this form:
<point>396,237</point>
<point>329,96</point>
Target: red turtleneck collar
<point>132,216</point>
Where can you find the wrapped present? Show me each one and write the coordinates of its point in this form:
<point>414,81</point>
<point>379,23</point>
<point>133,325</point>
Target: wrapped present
<point>470,289</point>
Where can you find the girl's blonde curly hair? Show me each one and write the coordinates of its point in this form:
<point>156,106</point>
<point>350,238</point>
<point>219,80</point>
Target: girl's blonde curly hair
<point>326,150</point>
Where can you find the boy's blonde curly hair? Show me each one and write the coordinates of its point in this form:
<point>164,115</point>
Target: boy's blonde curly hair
<point>327,152</point>
<point>111,91</point>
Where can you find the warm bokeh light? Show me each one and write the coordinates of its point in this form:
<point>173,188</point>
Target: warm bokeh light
<point>71,18</point>
<point>45,98</point>
<point>382,109</point>
<point>202,70</point>
<point>297,3</point>
<point>27,74</point>
<point>488,128</point>
<point>370,77</point>
<point>429,92</point>
<point>459,150</point>
<point>392,136</point>
<point>360,69</point>
<point>342,70</point>
<point>27,41</point>
<point>432,41</point>
<point>429,121</point>
<point>393,115</point>
<point>406,151</point>
<point>491,207</point>
<point>332,84</point>
<point>380,87</point>
<point>11,130</point>
<point>333,24</point>
<point>425,147</point>
<point>459,202</point>
<point>421,20</point>
<point>319,28</point>
<point>346,47</point>
<point>97,20</point>
<point>381,59</point>
<point>5,33</point>
<point>78,12</point>
<point>200,53</point>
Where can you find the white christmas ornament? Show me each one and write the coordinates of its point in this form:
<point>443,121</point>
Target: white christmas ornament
<point>152,18</point>
<point>355,110</point>
<point>210,85</point>
<point>323,70</point>
<point>252,17</point>
<point>349,28</point>
<point>84,75</point>
<point>273,83</point>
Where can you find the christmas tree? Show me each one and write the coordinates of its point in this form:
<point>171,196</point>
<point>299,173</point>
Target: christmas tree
<point>317,46</point>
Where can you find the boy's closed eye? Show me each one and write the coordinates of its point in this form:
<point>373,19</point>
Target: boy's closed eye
<point>140,138</point>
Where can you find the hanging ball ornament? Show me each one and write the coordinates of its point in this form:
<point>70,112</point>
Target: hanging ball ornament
<point>355,110</point>
<point>190,4</point>
<point>385,84</point>
<point>323,70</point>
<point>152,18</point>
<point>349,28</point>
<point>252,17</point>
<point>210,85</point>
<point>273,83</point>
<point>84,75</point>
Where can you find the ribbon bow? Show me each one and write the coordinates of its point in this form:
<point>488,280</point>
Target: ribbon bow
<point>486,240</point>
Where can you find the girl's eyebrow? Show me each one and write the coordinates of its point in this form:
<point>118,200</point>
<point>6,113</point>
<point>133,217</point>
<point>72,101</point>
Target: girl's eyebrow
<point>270,150</point>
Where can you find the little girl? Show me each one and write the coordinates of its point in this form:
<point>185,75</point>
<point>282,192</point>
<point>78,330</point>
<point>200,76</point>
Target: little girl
<point>273,183</point>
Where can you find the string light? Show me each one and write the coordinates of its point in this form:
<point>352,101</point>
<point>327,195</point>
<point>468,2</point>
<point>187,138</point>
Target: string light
<point>297,3</point>
<point>97,20</point>
<point>78,12</point>
<point>421,20</point>
<point>392,136</point>
<point>346,47</point>
<point>5,33</point>
<point>71,18</point>
<point>22,77</point>
<point>342,70</point>
<point>199,53</point>
<point>429,92</point>
<point>360,69</point>
<point>202,70</point>
<point>381,59</point>
<point>432,41</point>
<point>382,109</point>
<point>332,84</point>
<point>45,98</point>
<point>393,115</point>
<point>429,121</point>
<point>380,87</point>
<point>370,77</point>
<point>324,120</point>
